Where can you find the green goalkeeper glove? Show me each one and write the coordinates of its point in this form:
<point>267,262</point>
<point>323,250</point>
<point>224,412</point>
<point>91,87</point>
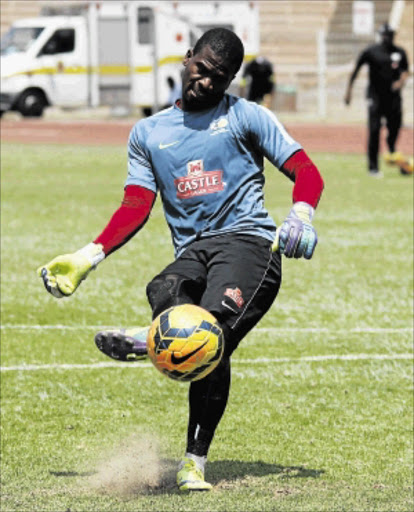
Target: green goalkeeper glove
<point>64,274</point>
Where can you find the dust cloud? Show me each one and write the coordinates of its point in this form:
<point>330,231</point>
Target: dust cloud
<point>135,466</point>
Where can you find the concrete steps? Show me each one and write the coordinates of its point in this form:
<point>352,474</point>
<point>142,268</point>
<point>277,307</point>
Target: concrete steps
<point>289,31</point>
<point>405,33</point>
<point>12,10</point>
<point>342,45</point>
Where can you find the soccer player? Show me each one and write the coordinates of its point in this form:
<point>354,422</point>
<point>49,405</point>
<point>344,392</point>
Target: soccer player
<point>388,72</point>
<point>205,156</point>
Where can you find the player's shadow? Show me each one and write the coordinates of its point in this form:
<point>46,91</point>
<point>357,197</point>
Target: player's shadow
<point>222,473</point>
<point>225,473</point>
<point>70,474</point>
<point>235,470</point>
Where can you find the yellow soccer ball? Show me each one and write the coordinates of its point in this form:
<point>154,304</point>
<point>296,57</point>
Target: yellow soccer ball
<point>185,343</point>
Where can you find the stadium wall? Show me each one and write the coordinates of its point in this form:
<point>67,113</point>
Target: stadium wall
<point>289,38</point>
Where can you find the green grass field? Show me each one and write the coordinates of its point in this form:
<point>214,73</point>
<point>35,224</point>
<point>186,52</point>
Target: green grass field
<point>320,416</point>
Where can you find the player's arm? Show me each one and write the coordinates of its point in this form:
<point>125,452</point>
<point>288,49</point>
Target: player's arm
<point>296,237</point>
<point>362,59</point>
<point>399,84</point>
<point>269,97</point>
<point>128,219</point>
<point>63,275</point>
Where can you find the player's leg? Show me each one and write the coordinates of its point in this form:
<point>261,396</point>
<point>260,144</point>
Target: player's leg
<point>374,127</point>
<point>394,121</point>
<point>207,402</point>
<point>242,282</point>
<point>182,282</point>
<point>176,285</point>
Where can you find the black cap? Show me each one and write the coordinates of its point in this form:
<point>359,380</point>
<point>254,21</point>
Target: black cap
<point>386,29</point>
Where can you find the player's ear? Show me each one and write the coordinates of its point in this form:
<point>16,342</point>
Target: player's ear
<point>188,56</point>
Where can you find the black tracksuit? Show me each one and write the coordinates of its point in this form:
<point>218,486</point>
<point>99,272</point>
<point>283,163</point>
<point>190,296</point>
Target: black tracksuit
<point>386,63</point>
<point>260,71</point>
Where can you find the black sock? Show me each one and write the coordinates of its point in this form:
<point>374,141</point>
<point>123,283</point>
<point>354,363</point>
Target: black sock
<point>208,400</point>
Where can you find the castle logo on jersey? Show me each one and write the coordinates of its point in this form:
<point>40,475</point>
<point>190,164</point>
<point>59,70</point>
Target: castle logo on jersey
<point>235,294</point>
<point>198,182</point>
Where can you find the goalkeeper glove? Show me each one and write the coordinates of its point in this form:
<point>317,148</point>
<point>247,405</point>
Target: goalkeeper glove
<point>296,237</point>
<point>64,274</point>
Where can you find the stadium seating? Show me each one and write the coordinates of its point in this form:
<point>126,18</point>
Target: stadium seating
<point>342,45</point>
<point>12,10</point>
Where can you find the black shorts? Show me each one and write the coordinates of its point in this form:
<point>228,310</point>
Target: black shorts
<point>236,277</point>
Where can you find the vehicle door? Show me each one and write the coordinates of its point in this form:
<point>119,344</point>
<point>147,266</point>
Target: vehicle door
<point>65,64</point>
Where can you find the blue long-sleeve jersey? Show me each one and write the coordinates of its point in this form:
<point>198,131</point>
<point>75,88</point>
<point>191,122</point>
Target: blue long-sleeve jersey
<point>208,167</point>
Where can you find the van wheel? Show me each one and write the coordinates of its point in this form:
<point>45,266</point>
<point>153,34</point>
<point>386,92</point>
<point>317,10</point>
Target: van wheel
<point>31,104</point>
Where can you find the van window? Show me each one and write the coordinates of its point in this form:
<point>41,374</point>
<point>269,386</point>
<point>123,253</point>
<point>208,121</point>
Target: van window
<point>19,39</point>
<point>62,41</point>
<point>145,25</point>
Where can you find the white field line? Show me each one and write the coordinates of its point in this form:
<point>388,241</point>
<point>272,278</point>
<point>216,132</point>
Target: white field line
<point>260,360</point>
<point>368,330</point>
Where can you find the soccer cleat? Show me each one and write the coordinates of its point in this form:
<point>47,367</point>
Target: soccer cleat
<point>406,164</point>
<point>123,344</point>
<point>393,158</point>
<point>190,477</point>
<point>375,173</point>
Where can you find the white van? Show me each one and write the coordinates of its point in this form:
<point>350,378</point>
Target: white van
<point>110,53</point>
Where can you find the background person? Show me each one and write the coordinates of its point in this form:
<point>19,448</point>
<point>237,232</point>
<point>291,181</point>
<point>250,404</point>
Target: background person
<point>205,156</point>
<point>388,72</point>
<point>259,81</point>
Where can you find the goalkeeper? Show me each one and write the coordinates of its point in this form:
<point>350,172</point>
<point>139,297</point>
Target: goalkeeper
<point>205,157</point>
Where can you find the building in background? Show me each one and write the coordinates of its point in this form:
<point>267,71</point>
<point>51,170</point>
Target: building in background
<point>310,45</point>
<point>113,53</point>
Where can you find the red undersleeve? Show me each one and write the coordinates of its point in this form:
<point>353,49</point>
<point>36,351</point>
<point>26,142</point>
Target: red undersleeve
<point>308,181</point>
<point>128,219</point>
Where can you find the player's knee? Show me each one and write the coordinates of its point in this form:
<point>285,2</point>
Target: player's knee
<point>162,292</point>
<point>167,290</point>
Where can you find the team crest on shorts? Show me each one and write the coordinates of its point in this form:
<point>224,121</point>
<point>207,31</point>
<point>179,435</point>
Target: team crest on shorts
<point>235,294</point>
<point>198,182</point>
